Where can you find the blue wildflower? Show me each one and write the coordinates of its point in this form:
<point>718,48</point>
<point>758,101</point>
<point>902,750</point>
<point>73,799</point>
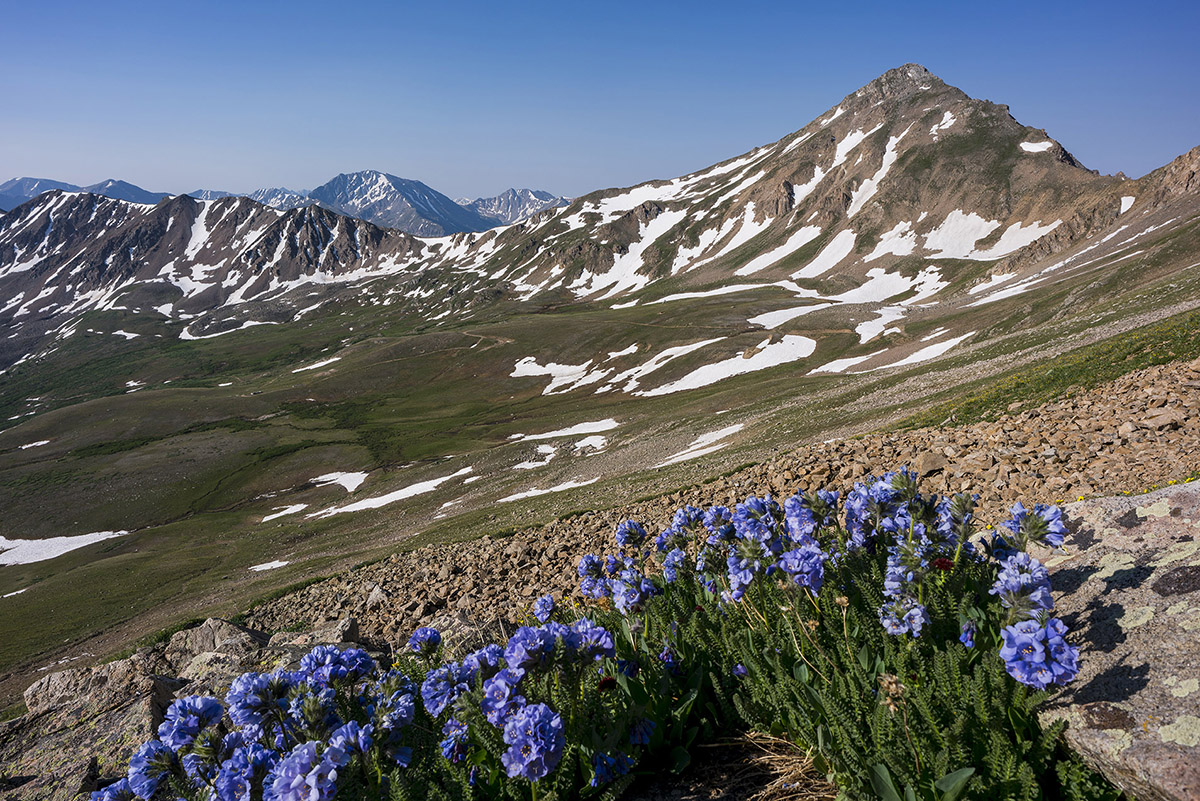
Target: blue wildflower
<point>641,731</point>
<point>1037,654</point>
<point>595,642</point>
<point>631,534</point>
<point>303,775</point>
<point>186,718</point>
<point>348,740</point>
<point>739,670</point>
<point>805,564</point>
<point>535,738</point>
<point>455,743</point>
<point>903,616</point>
<point>485,662</point>
<point>606,769</point>
<point>592,581</point>
<point>425,641</point>
<point>245,769</point>
<point>671,565</point>
<point>149,766</point>
<point>117,791</point>
<point>719,521</point>
<point>326,664</point>
<point>967,637</point>
<point>500,697</point>
<point>443,685</point>
<point>1043,526</point>
<point>1023,585</point>
<point>529,647</point>
<point>543,608</point>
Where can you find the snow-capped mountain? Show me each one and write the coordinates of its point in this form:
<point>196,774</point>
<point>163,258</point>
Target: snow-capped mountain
<point>281,198</point>
<point>123,190</point>
<point>514,205</point>
<point>906,201</point>
<point>400,203</point>
<point>16,191</point>
<point>210,194</point>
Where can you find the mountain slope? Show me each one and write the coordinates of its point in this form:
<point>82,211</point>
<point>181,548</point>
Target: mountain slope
<point>303,387</point>
<point>400,203</point>
<point>514,205</point>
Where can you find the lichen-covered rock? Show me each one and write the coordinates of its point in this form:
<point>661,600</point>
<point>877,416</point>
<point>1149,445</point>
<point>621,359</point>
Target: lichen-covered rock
<point>212,636</point>
<point>1129,589</point>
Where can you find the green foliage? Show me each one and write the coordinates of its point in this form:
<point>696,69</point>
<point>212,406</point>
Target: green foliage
<point>1170,340</point>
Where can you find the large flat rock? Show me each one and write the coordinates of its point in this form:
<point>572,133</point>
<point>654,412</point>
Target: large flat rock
<point>1129,589</point>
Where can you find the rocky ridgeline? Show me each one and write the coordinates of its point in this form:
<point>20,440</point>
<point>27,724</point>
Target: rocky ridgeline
<point>1125,436</point>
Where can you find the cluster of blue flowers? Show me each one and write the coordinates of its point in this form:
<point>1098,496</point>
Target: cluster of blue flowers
<point>278,735</point>
<point>281,736</point>
<point>925,539</point>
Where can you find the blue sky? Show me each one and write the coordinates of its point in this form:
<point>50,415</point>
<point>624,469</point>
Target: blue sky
<point>475,97</point>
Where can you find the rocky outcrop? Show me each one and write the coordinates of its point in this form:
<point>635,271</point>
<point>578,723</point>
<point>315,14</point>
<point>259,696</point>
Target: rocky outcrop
<point>83,724</point>
<point>1130,593</point>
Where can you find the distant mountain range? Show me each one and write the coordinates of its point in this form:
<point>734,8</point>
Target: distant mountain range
<point>385,200</point>
<point>514,205</point>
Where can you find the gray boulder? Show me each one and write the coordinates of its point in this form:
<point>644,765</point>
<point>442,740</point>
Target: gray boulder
<point>1129,589</point>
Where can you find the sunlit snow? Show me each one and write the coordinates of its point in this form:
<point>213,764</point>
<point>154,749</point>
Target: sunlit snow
<point>391,497</point>
<point>769,354</point>
<point>268,566</point>
<point>1036,147</point>
<point>23,552</point>
<point>1126,203</point>
<point>703,445</point>
<point>281,511</point>
<point>794,242</point>
<point>547,452</point>
<point>319,364</point>
<point>37,444</point>
<point>559,488</point>
<point>573,431</point>
<point>830,255</point>
<point>350,481</point>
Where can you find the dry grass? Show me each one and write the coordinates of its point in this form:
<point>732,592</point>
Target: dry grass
<point>748,767</point>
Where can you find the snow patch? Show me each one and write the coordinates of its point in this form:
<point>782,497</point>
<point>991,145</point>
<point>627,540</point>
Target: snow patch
<point>901,240</point>
<point>268,566</point>
<point>1036,147</point>
<point>769,354</point>
<point>794,242</point>
<point>391,497</point>
<point>573,431</point>
<point>319,364</point>
<point>280,511</point>
<point>351,481</point>
<point>563,377</point>
<point>23,552</point>
<point>1126,203</point>
<point>548,453</point>
<point>559,488</point>
<point>703,445</point>
<point>831,255</point>
<point>37,444</point>
<point>596,444</point>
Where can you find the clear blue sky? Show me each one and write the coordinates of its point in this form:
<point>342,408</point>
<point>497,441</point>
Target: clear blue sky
<point>567,96</point>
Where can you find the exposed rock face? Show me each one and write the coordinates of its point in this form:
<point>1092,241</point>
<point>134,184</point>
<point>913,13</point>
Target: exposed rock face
<point>1130,593</point>
<point>83,724</point>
